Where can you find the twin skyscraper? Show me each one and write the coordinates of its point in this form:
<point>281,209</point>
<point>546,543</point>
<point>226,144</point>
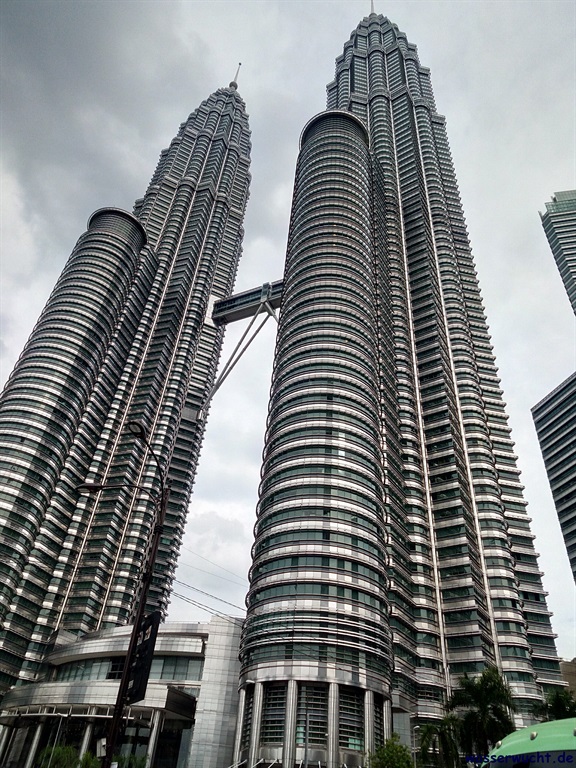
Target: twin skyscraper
<point>393,551</point>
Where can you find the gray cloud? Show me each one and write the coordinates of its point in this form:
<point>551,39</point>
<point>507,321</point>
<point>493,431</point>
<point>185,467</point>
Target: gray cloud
<point>91,91</point>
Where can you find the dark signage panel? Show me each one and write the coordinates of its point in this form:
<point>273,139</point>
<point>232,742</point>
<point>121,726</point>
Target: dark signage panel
<point>143,653</point>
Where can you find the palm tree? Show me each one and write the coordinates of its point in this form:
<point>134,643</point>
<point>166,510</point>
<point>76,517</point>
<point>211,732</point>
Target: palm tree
<point>439,742</point>
<point>487,703</point>
<point>559,703</point>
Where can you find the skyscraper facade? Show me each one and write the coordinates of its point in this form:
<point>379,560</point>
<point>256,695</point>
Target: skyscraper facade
<point>125,336</point>
<point>555,421</point>
<point>555,415</point>
<point>559,222</point>
<point>393,551</point>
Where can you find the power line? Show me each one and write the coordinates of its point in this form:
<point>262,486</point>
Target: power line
<point>211,573</point>
<point>212,562</point>
<point>207,608</point>
<point>189,586</point>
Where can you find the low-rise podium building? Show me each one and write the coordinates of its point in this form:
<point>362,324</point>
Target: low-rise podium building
<point>187,718</point>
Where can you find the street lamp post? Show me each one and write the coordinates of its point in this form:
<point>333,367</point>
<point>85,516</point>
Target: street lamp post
<point>415,747</point>
<point>311,716</point>
<point>306,737</point>
<point>160,502</point>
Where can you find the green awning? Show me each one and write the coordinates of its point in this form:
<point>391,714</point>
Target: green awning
<point>556,739</point>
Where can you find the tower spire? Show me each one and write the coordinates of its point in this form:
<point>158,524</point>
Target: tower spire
<point>372,7</point>
<point>234,83</point>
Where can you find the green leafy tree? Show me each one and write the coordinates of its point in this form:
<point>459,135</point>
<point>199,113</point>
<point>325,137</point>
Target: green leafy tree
<point>67,757</point>
<point>485,703</point>
<point>89,761</point>
<point>391,754</point>
<point>439,742</point>
<point>558,704</point>
<point>58,757</point>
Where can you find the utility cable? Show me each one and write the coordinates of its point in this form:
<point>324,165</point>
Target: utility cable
<point>189,586</point>
<point>211,573</point>
<point>213,563</point>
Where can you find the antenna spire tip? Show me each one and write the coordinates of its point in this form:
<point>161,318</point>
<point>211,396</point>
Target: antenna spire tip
<point>234,83</point>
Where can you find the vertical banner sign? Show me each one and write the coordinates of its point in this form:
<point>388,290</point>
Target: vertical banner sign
<point>142,661</point>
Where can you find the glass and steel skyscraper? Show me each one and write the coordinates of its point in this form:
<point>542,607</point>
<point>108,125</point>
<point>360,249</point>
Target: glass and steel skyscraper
<point>555,415</point>
<point>125,336</point>
<point>393,551</point>
<point>555,422</point>
<point>559,222</point>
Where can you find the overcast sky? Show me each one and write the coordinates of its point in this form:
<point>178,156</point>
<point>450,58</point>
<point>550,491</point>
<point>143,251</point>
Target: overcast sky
<point>92,91</point>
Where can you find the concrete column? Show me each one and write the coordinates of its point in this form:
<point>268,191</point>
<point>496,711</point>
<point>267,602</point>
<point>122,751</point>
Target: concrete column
<point>239,724</point>
<point>256,723</point>
<point>368,722</point>
<point>289,751</point>
<point>387,719</point>
<point>5,731</point>
<point>34,746</point>
<point>88,731</point>
<point>333,759</point>
<point>10,737</point>
<point>155,728</point>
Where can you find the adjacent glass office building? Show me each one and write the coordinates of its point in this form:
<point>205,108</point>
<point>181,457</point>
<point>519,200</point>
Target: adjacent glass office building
<point>125,336</point>
<point>555,421</point>
<point>559,222</point>
<point>555,415</point>
<point>393,551</point>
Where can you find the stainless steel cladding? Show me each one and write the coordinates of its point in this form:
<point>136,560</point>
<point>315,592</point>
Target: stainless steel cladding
<point>390,506</point>
<point>126,335</point>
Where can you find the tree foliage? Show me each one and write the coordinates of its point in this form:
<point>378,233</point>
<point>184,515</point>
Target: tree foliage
<point>391,754</point>
<point>439,742</point>
<point>558,704</point>
<point>89,761</point>
<point>66,757</point>
<point>58,757</point>
<point>485,703</point>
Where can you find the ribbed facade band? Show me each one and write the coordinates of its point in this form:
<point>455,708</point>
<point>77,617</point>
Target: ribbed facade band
<point>393,551</point>
<point>126,335</point>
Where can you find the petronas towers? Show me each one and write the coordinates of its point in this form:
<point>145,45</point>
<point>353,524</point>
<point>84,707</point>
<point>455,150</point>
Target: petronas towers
<point>393,550</point>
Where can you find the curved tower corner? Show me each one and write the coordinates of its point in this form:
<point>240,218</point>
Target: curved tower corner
<point>315,654</point>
